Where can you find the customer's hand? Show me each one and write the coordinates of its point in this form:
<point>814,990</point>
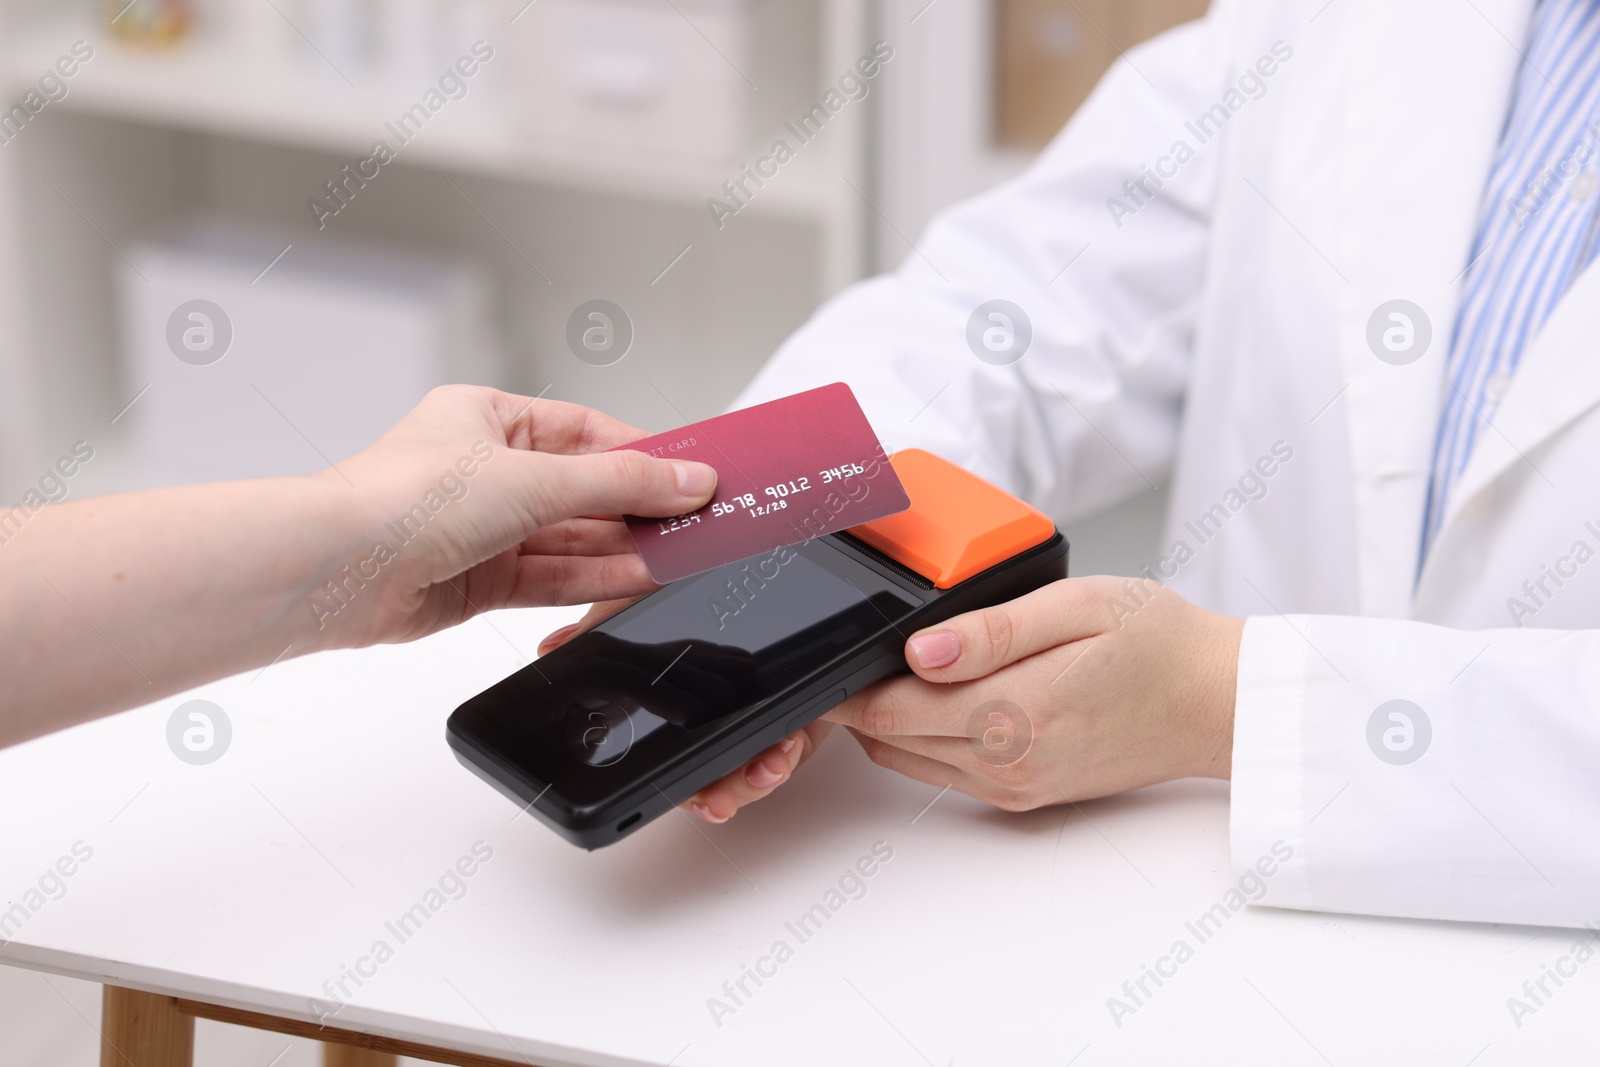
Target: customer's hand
<point>487,500</point>
<point>475,500</point>
<point>1107,684</point>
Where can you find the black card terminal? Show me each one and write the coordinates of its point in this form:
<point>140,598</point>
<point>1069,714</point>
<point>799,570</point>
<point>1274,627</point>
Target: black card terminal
<point>689,683</point>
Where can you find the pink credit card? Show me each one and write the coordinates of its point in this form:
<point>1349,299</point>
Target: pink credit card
<point>787,471</point>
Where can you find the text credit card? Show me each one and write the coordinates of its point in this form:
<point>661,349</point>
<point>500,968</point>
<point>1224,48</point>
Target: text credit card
<point>787,471</point>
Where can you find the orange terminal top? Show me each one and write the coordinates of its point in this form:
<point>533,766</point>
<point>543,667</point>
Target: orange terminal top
<point>958,525</point>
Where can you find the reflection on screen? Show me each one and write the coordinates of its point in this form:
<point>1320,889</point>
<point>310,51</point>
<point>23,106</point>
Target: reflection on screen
<point>687,659</point>
<point>743,607</point>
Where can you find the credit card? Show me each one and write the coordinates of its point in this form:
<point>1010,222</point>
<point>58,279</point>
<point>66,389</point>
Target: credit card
<point>787,471</point>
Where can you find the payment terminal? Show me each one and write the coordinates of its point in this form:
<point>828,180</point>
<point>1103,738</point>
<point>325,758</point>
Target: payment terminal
<point>687,684</point>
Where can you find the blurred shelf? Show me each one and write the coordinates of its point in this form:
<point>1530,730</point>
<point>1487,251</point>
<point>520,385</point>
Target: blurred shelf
<point>218,89</point>
<point>256,105</point>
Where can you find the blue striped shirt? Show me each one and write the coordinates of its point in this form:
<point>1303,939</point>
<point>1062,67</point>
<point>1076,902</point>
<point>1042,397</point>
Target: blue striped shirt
<point>1536,233</point>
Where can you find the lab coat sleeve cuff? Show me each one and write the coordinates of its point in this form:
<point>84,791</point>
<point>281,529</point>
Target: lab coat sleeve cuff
<point>1268,818</point>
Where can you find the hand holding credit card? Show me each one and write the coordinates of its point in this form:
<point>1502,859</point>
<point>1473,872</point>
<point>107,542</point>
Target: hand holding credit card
<point>787,471</point>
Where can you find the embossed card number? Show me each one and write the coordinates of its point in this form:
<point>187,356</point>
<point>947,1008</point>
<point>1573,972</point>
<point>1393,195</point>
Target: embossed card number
<point>788,470</point>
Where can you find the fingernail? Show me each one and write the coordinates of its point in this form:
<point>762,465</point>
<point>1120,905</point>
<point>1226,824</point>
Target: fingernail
<point>695,479</point>
<point>938,648</point>
<point>555,637</point>
<point>759,775</point>
<point>788,743</point>
<point>705,813</point>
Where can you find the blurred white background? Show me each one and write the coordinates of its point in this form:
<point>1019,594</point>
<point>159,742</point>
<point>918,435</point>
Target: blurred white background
<point>180,159</point>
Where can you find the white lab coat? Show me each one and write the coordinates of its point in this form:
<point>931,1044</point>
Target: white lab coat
<point>1229,316</point>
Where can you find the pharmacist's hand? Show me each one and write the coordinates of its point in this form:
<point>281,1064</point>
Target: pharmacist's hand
<point>1086,687</point>
<point>719,801</point>
<point>722,799</point>
<point>479,500</point>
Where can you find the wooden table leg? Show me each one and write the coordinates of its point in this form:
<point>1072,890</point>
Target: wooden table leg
<point>144,1030</point>
<point>351,1056</point>
<point>341,1048</point>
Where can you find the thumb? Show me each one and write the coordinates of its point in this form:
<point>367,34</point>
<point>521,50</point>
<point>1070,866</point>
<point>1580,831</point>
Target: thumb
<point>615,483</point>
<point>981,642</point>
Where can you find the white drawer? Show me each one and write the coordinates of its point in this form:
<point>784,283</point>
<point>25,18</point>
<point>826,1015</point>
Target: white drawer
<point>700,82</point>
